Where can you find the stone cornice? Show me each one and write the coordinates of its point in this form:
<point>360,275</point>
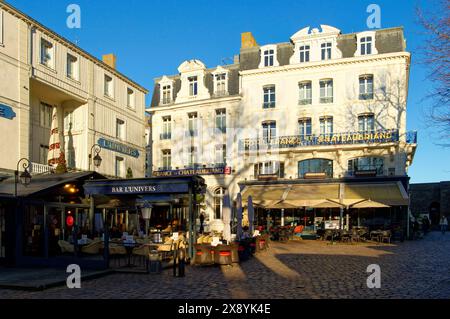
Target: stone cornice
<point>174,106</point>
<point>329,63</point>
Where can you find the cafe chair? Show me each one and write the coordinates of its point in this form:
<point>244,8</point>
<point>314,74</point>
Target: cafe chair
<point>204,255</point>
<point>385,236</point>
<point>66,247</point>
<point>142,252</point>
<point>92,249</point>
<point>222,255</point>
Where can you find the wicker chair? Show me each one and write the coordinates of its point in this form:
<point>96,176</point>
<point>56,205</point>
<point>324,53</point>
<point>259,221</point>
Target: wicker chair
<point>385,236</point>
<point>222,255</point>
<point>66,247</point>
<point>92,249</point>
<point>204,255</point>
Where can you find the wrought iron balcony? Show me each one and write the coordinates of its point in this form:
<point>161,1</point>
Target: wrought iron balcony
<point>191,133</point>
<point>296,141</point>
<point>304,101</point>
<point>165,136</point>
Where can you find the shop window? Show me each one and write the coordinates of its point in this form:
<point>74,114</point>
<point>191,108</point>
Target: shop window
<point>366,166</point>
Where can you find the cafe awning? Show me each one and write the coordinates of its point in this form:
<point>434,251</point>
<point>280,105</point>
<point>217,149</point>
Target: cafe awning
<point>316,194</point>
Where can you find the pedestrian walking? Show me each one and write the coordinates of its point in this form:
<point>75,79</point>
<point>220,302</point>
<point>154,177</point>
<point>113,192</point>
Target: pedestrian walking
<point>443,223</point>
<point>202,220</point>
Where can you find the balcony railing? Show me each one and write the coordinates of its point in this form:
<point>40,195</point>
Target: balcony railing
<point>326,99</point>
<point>165,136</point>
<point>304,101</point>
<point>191,133</point>
<point>295,141</point>
<point>268,105</point>
<point>37,168</point>
<point>366,96</point>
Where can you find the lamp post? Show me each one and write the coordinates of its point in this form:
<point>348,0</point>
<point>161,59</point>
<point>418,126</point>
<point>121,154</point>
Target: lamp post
<point>24,177</point>
<point>97,159</point>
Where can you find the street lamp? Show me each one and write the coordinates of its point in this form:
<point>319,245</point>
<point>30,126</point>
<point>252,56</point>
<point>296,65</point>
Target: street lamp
<point>24,177</point>
<point>97,159</point>
<point>146,210</point>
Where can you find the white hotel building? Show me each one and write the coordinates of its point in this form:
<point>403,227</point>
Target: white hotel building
<point>96,104</point>
<point>319,118</point>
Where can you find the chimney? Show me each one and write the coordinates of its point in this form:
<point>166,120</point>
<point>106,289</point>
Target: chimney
<point>109,59</point>
<point>247,40</point>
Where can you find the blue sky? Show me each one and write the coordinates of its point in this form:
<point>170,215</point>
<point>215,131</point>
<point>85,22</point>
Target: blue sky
<point>152,38</point>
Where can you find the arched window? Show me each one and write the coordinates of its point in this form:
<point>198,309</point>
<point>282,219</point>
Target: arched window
<point>219,192</point>
<point>366,166</point>
<point>316,167</point>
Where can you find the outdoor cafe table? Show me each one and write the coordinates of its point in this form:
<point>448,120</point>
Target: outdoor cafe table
<point>129,246</point>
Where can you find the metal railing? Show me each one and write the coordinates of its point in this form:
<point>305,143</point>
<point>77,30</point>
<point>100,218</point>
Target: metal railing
<point>165,136</point>
<point>37,168</point>
<point>411,137</point>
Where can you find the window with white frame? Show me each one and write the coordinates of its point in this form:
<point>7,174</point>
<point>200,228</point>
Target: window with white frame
<point>166,128</point>
<point>269,96</point>
<point>304,53</point>
<point>326,125</point>
<point>72,67</point>
<point>166,94</point>
<point>221,120</point>
<point>218,202</point>
<point>108,86</point>
<point>326,50</point>
<point>45,115</point>
<point>166,160</point>
<point>366,123</point>
<point>269,130</point>
<point>221,154</point>
<point>47,53</point>
<point>43,154</point>
<point>304,127</point>
<point>193,85</point>
<point>269,168</point>
<point>192,156</point>
<point>130,98</point>
<point>305,93</point>
<point>192,124</point>
<point>220,81</point>
<point>366,87</point>
<point>269,56</point>
<point>119,167</point>
<point>120,129</point>
<point>366,45</point>
<point>326,91</point>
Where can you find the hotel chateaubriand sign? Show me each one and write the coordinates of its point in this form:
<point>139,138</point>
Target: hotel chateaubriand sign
<point>328,139</point>
<point>195,171</point>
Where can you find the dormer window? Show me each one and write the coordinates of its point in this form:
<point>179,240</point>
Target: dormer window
<point>193,86</point>
<point>366,43</point>
<point>166,94</point>
<point>165,87</point>
<point>220,84</point>
<point>326,51</point>
<point>304,53</point>
<point>268,56</point>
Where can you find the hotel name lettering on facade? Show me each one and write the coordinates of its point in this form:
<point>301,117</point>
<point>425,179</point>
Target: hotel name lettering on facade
<point>199,171</point>
<point>327,139</point>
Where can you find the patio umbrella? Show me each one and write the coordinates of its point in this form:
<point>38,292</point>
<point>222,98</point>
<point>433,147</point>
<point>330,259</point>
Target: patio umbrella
<point>239,216</point>
<point>226,216</point>
<point>54,149</point>
<point>251,214</point>
<point>327,204</point>
<point>367,203</point>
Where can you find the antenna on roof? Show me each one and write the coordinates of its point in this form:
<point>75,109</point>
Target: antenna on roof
<point>227,60</point>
